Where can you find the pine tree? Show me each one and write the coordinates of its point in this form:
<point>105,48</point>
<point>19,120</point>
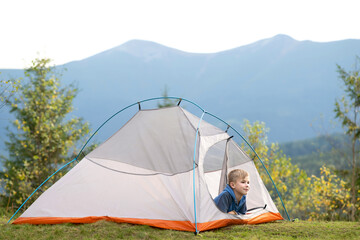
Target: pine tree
<point>45,136</point>
<point>166,102</point>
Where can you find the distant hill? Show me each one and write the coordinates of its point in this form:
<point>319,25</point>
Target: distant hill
<point>311,154</point>
<point>286,83</point>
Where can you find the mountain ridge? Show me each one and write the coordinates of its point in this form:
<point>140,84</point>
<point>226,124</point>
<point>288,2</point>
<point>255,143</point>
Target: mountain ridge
<point>281,81</point>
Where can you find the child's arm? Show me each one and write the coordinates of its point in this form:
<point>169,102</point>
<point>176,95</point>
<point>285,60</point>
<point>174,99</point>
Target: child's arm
<point>224,202</point>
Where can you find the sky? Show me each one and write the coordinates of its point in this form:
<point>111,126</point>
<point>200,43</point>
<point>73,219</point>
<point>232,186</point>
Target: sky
<point>69,30</point>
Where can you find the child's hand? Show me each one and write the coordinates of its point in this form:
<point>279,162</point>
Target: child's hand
<point>232,212</point>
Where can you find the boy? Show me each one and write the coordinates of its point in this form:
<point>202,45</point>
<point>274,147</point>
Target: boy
<point>233,199</point>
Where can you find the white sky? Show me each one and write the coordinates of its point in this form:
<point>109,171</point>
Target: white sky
<point>67,30</point>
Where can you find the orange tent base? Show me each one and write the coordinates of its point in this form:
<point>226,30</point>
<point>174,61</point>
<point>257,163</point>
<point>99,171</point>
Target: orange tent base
<point>167,224</point>
<point>263,218</point>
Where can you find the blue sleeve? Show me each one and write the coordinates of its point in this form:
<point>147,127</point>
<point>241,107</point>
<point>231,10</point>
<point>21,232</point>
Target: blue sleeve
<point>223,202</point>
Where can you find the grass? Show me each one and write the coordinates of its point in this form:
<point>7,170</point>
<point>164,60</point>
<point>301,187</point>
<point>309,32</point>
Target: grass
<point>111,230</point>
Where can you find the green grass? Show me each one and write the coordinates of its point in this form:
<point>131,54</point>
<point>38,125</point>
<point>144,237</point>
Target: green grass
<point>111,230</point>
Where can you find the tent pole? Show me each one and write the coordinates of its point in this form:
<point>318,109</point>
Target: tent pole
<point>277,191</point>
<point>136,103</point>
<point>106,121</point>
<point>194,166</point>
<point>40,187</point>
<point>282,202</point>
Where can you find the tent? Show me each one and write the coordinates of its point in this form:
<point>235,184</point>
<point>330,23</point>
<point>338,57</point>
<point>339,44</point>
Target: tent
<point>162,168</point>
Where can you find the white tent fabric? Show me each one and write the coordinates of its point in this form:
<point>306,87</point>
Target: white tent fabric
<point>144,174</point>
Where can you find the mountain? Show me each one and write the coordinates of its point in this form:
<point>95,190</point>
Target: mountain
<point>287,84</point>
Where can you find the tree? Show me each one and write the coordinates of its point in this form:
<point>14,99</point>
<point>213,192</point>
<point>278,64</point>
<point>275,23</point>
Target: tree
<point>45,137</point>
<point>325,197</point>
<point>292,182</point>
<point>166,102</point>
<point>347,111</point>
<point>330,197</point>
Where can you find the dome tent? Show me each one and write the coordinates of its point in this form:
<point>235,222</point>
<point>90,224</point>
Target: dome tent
<point>162,168</point>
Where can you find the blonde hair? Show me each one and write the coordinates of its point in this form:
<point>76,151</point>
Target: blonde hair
<point>237,173</point>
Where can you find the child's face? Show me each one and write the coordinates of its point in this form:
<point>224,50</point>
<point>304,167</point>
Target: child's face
<point>241,186</point>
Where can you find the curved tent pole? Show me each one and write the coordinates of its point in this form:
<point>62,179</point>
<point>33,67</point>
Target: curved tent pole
<point>40,187</point>
<point>194,166</point>
<point>106,121</point>
<point>282,202</point>
<point>136,103</point>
